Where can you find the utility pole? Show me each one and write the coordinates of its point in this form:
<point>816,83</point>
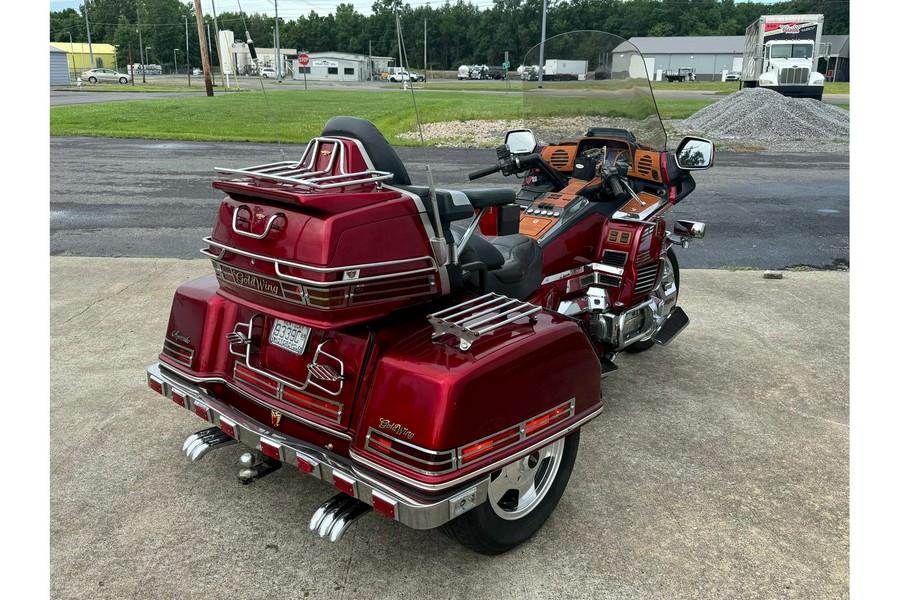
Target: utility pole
<point>203,54</point>
<point>543,37</point>
<point>425,66</point>
<point>140,50</point>
<point>277,44</point>
<point>87,23</point>
<point>187,49</point>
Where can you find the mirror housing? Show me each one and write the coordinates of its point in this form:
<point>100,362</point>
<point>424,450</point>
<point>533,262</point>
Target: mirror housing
<point>520,141</point>
<point>694,154</point>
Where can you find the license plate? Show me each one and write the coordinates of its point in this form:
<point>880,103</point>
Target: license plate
<point>290,336</point>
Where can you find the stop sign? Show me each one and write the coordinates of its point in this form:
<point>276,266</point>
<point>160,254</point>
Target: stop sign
<point>303,59</point>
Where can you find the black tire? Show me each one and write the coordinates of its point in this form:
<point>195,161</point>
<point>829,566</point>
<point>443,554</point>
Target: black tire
<point>647,344</point>
<point>123,80</point>
<point>92,79</point>
<point>485,531</point>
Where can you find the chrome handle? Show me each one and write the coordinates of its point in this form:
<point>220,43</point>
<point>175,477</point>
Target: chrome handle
<point>269,223</point>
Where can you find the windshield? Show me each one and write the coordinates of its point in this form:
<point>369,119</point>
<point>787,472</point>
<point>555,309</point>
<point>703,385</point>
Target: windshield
<point>792,51</point>
<point>589,79</point>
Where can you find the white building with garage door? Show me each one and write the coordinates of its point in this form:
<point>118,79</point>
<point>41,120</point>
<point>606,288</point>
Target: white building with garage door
<point>334,66</point>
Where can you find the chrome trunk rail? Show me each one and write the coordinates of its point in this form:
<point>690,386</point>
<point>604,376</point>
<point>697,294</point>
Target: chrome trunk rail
<point>472,319</point>
<point>334,175</point>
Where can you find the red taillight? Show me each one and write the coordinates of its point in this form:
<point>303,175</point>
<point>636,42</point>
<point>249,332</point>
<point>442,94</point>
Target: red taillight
<point>260,382</point>
<point>155,385</point>
<point>178,398</point>
<point>307,465</point>
<point>345,484</point>
<point>270,449</point>
<point>546,419</point>
<point>201,411</point>
<point>423,460</point>
<point>330,410</point>
<point>178,352</point>
<point>492,444</point>
<point>227,426</point>
<point>385,506</point>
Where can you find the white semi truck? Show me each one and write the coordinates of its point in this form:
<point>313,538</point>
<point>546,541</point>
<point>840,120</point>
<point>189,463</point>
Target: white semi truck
<point>781,53</point>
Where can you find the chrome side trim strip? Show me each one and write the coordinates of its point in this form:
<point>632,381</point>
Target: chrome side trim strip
<point>285,263</point>
<point>482,471</point>
<point>413,512</point>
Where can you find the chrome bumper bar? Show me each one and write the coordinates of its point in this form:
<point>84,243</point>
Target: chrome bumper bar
<point>315,461</point>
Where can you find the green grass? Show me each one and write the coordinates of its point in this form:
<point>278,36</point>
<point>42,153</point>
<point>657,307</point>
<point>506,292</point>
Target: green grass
<point>299,115</point>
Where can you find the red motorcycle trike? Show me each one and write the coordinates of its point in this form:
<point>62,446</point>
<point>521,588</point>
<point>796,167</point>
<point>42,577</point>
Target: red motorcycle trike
<point>434,354</point>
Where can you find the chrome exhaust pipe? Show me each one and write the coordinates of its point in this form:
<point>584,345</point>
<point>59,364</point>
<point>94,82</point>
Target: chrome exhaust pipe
<point>196,446</point>
<point>336,515</point>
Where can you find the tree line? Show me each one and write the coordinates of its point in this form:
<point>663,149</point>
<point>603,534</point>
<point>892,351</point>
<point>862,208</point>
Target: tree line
<point>457,32</point>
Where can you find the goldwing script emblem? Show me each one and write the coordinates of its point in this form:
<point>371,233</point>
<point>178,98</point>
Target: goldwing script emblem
<point>276,418</point>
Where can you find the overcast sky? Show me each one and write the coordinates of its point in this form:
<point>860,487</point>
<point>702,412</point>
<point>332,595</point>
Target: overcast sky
<point>289,10</point>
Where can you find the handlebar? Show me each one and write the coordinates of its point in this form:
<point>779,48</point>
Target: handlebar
<point>519,163</point>
<point>483,172</point>
<point>616,187</point>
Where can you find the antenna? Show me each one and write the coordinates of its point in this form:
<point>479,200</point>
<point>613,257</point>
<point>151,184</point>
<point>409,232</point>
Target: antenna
<point>261,84</point>
<point>439,244</point>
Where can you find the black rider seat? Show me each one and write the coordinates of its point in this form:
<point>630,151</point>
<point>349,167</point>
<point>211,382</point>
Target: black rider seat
<point>512,262</point>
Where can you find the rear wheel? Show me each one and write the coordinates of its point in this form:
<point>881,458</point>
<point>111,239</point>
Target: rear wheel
<point>670,276</point>
<point>521,496</point>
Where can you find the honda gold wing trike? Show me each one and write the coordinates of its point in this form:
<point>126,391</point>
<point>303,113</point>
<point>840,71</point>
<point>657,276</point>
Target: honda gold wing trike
<point>433,354</point>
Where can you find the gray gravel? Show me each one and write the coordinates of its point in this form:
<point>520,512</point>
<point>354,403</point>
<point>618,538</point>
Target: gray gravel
<point>754,119</point>
<point>757,118</point>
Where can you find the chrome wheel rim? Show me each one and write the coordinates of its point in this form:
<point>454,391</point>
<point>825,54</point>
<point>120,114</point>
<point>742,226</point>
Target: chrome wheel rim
<point>518,488</point>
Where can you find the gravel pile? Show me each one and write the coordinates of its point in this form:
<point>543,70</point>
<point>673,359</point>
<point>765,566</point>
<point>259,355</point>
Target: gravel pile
<point>759,118</point>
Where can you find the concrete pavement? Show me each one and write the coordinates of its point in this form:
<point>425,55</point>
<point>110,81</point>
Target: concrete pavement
<point>719,468</point>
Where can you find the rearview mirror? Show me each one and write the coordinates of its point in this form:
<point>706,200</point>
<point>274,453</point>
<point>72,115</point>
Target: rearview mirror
<point>520,141</point>
<point>694,154</point>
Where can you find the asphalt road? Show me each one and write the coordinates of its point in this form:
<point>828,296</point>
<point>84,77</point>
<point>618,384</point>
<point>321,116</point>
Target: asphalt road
<point>145,198</point>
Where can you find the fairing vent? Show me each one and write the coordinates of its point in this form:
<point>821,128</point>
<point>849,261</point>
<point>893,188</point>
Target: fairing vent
<point>609,280</point>
<point>614,258</point>
<point>794,76</point>
<point>559,159</point>
<point>645,165</point>
<point>646,277</point>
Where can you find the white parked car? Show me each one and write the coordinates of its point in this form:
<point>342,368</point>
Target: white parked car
<point>405,76</point>
<point>268,72</point>
<point>95,75</point>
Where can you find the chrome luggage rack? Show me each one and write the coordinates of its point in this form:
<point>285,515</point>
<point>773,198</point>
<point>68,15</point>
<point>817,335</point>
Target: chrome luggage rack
<point>335,174</point>
<point>474,318</point>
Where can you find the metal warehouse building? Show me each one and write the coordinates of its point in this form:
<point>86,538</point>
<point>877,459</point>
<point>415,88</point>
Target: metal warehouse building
<point>710,55</point>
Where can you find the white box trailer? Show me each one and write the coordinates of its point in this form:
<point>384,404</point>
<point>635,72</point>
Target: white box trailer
<point>781,53</point>
<point>557,69</point>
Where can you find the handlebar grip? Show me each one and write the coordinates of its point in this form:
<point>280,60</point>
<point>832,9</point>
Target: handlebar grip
<point>483,172</point>
<point>617,189</point>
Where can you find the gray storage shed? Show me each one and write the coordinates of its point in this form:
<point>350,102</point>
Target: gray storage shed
<point>59,67</point>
